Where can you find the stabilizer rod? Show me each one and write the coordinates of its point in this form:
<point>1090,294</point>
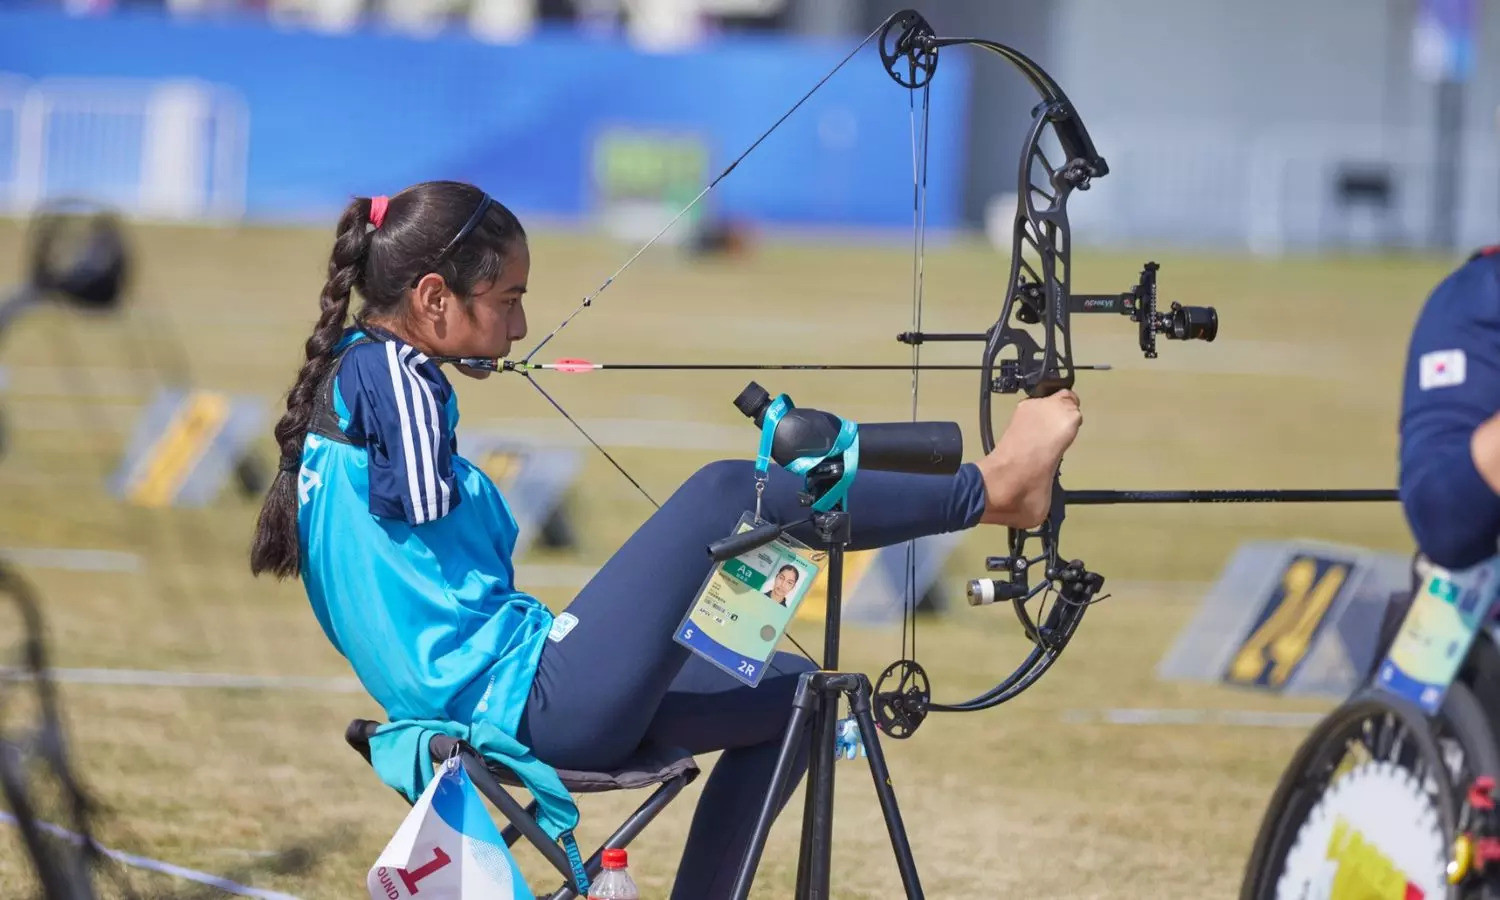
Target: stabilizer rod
<point>1103,498</point>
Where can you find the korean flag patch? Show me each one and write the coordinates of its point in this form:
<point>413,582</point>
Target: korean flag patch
<point>1441,368</point>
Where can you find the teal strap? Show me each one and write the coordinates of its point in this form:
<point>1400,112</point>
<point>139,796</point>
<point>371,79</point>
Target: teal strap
<point>846,444</point>
<point>580,874</point>
<point>774,414</point>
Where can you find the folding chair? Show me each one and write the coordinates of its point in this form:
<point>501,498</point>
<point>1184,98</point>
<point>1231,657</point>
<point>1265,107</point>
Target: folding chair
<point>668,768</point>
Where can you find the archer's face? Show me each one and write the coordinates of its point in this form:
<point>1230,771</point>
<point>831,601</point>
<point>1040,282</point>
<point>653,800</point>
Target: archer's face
<point>786,580</point>
<point>494,318</point>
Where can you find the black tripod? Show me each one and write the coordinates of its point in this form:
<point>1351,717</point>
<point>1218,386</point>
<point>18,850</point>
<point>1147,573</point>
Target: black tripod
<point>816,705</point>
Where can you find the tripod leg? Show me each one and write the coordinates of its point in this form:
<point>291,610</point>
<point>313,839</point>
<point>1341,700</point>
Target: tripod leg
<point>860,703</point>
<point>809,797</point>
<point>803,706</point>
<point>813,875</point>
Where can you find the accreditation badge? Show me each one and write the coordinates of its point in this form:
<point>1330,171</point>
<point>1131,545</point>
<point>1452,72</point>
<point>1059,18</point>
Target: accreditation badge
<point>1445,616</point>
<point>746,604</point>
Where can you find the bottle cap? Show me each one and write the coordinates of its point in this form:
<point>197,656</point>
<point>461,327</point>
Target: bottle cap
<point>614,859</point>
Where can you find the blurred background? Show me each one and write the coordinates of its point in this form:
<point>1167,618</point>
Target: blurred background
<point>1268,127</point>
<point>1311,170</point>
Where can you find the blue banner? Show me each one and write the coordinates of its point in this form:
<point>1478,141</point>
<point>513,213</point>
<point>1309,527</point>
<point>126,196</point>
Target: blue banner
<point>331,116</point>
<point>1443,39</point>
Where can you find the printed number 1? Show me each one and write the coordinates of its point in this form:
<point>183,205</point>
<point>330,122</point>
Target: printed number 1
<point>410,879</point>
<point>1282,640</point>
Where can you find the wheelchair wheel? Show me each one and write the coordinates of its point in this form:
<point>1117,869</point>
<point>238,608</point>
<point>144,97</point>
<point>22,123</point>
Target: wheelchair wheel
<point>1377,795</point>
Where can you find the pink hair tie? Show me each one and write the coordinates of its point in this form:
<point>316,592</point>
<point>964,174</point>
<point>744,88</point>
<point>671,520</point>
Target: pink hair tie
<point>377,209</point>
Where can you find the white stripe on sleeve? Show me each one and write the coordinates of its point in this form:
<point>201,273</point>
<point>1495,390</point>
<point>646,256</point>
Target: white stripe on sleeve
<point>422,433</point>
<point>439,501</point>
<point>420,513</point>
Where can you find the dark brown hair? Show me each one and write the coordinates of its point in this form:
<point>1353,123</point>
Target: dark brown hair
<point>382,264</point>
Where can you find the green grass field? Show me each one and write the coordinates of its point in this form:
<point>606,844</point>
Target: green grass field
<point>1033,799</point>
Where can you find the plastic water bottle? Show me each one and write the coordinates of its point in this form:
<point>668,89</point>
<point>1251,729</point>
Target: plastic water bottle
<point>614,883</point>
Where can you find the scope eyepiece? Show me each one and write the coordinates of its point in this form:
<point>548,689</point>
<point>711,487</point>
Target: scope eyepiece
<point>753,401</point>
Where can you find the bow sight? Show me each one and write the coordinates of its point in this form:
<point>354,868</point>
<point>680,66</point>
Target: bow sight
<point>1179,323</point>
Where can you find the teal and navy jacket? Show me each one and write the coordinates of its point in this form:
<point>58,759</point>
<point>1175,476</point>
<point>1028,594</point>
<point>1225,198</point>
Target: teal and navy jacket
<point>406,559</point>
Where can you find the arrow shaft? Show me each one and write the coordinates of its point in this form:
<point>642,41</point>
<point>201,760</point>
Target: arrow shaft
<point>756,367</point>
<point>753,367</point>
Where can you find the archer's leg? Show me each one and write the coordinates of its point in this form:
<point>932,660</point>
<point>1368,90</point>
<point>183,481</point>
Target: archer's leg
<point>597,688</point>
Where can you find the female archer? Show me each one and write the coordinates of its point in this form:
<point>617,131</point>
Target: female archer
<point>404,546</point>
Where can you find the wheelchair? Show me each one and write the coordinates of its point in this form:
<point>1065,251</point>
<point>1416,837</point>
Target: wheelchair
<point>1382,799</point>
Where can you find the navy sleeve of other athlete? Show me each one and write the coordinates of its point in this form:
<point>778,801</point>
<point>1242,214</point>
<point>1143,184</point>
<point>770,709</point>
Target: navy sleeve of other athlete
<point>1452,386</point>
<point>397,400</point>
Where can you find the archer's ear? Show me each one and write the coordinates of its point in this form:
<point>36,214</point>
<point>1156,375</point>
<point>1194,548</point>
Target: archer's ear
<point>430,297</point>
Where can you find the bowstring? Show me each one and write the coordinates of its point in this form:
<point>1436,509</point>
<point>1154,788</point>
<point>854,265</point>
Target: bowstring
<point>919,250</point>
<point>571,421</point>
<point>589,300</point>
<point>621,469</point>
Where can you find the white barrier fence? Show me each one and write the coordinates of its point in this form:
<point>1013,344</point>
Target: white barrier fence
<point>1185,184</point>
<point>165,150</point>
<point>1181,185</point>
<point>177,150</point>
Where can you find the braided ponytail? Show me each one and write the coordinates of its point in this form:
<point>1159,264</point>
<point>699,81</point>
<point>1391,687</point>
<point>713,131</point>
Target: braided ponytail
<point>414,229</point>
<point>275,546</point>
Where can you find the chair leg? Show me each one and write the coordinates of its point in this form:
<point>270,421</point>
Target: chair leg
<point>512,810</point>
<point>510,834</point>
<point>627,832</point>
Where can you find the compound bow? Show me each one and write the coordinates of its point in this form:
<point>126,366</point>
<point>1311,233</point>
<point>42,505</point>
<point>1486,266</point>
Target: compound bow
<point>1028,350</point>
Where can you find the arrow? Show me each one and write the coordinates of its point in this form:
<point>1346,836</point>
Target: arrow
<point>573,366</point>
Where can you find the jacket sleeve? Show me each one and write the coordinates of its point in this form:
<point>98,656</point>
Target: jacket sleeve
<point>1452,386</point>
<point>397,401</point>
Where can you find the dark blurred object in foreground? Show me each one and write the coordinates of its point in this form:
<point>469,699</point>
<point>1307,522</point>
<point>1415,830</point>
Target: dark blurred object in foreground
<point>77,255</point>
<point>35,776</point>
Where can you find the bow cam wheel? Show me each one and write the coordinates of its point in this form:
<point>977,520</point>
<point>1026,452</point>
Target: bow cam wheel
<point>905,43</point>
<point>901,706</point>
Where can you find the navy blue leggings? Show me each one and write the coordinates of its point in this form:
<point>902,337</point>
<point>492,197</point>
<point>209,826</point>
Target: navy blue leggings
<point>618,679</point>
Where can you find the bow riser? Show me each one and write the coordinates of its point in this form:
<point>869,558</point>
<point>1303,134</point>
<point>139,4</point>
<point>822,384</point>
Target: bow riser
<point>1030,349</point>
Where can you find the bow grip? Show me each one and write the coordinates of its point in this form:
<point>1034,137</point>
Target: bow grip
<point>1049,383</point>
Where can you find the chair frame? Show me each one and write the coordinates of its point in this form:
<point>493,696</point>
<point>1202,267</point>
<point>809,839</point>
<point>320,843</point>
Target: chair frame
<point>521,820</point>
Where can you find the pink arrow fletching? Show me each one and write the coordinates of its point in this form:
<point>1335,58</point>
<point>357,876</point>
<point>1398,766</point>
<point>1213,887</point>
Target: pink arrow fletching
<point>574,366</point>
